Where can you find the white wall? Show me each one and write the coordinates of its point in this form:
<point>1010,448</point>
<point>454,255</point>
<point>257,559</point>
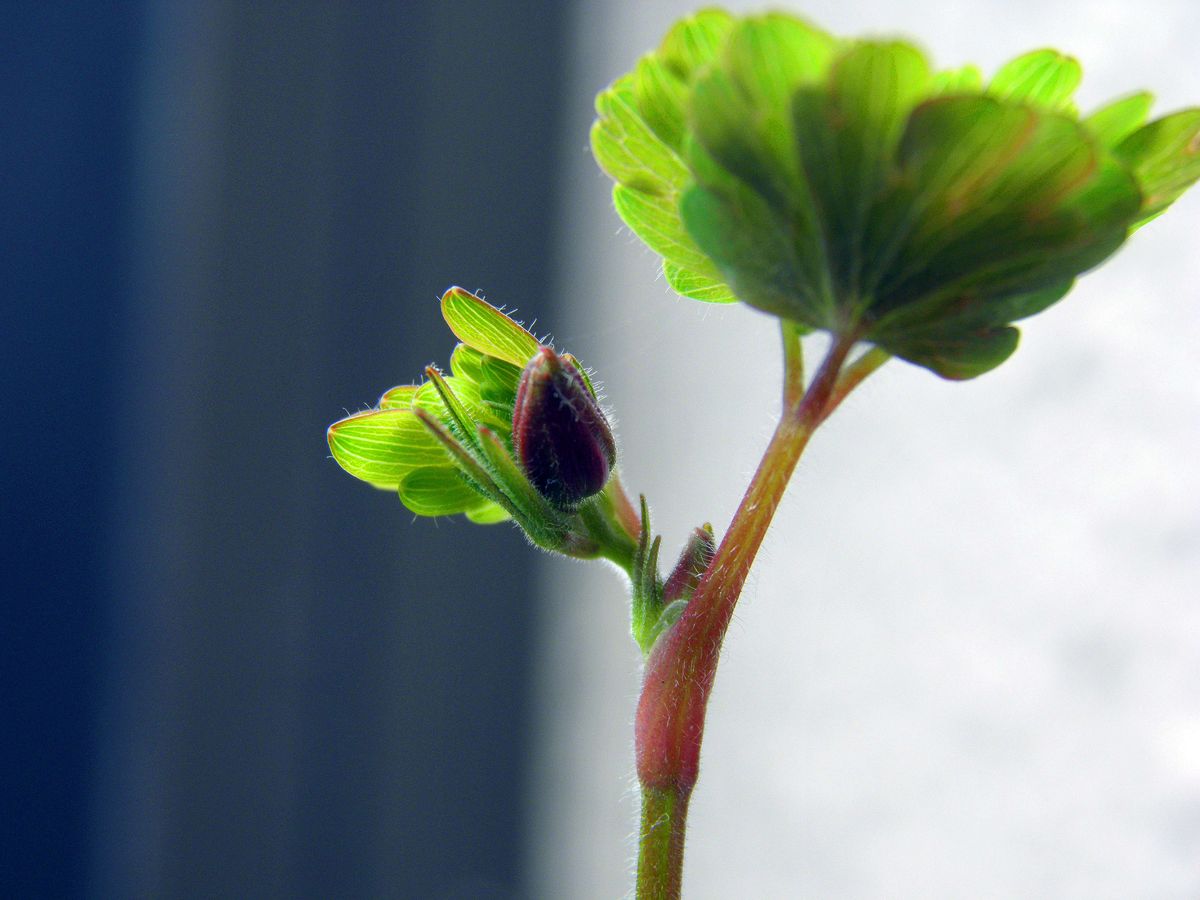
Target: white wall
<point>967,662</point>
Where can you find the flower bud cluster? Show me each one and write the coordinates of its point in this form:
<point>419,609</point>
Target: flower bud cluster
<point>514,431</point>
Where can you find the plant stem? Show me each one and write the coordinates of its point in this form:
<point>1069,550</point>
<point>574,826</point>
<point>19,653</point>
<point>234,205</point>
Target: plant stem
<point>853,376</point>
<point>607,530</point>
<point>793,364</point>
<point>660,844</point>
<point>681,668</point>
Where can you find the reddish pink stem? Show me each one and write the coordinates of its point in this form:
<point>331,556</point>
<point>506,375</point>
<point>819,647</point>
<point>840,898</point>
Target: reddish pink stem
<point>680,671</point>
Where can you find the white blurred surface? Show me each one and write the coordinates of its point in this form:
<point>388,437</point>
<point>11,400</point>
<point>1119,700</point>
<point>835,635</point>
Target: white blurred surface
<point>967,663</point>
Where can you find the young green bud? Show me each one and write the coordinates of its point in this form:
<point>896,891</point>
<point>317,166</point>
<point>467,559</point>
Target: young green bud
<point>560,435</point>
<point>693,561</point>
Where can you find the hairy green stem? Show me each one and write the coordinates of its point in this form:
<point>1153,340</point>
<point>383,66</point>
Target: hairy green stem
<point>793,363</point>
<point>660,844</point>
<point>606,527</point>
<point>682,666</point>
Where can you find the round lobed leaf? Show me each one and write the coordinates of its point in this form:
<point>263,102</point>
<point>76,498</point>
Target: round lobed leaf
<point>846,186</point>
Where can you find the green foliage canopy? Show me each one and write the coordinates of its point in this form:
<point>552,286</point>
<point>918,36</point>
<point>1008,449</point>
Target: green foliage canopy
<point>847,186</point>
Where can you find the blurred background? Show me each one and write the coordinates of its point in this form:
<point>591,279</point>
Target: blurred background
<point>967,664</point>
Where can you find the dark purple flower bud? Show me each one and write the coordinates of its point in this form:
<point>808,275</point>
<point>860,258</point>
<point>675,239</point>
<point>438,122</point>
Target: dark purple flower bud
<point>560,436</point>
<point>693,562</point>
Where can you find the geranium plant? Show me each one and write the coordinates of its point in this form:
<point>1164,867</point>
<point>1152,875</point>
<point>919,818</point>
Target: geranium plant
<point>843,186</point>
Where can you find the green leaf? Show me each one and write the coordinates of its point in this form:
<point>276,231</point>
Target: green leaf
<point>628,149</point>
<point>637,140</point>
<point>1003,199</point>
<point>480,325</point>
<point>488,514</point>
<point>771,56</point>
<point>693,41</point>
<point>1044,78</point>
<point>766,60</point>
<point>381,447</point>
<point>963,80</point>
<point>467,363</point>
<point>656,221</point>
<point>650,176</point>
<point>741,109</point>
<point>1113,123</point>
<point>498,375</point>
<point>847,135</point>
<point>487,385</point>
<point>750,200</point>
<point>725,124</point>
<point>399,397</point>
<point>698,287</point>
<point>754,249</point>
<point>967,336</point>
<point>473,409</point>
<point>660,82</point>
<point>956,355</point>
<point>498,390</point>
<point>659,95</point>
<point>440,491</point>
<point>1165,158</point>
<point>1005,206</point>
<point>842,185</point>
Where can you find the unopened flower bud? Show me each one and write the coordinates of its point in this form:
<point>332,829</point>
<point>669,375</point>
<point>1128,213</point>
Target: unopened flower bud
<point>693,562</point>
<point>560,435</point>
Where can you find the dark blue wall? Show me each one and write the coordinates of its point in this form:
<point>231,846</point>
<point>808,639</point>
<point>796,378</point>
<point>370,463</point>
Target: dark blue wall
<point>229,669</point>
<point>67,89</point>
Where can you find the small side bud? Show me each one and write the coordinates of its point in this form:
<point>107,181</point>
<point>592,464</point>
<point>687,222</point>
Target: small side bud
<point>560,435</point>
<point>693,562</point>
